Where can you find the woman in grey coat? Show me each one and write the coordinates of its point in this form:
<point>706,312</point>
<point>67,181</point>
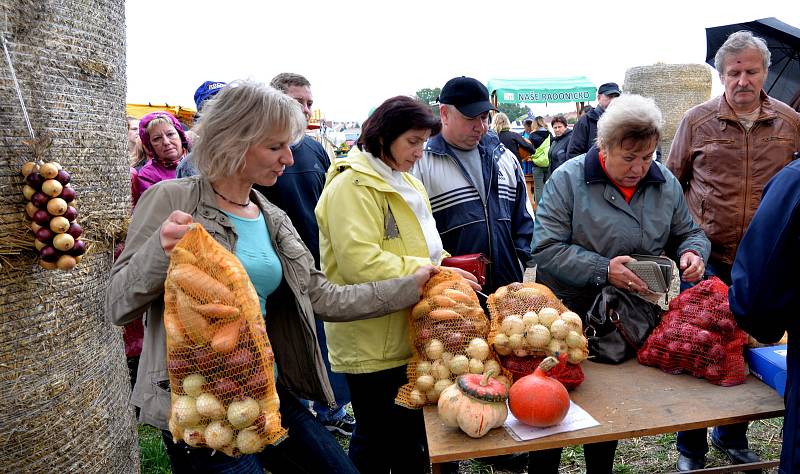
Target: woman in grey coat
<point>600,208</point>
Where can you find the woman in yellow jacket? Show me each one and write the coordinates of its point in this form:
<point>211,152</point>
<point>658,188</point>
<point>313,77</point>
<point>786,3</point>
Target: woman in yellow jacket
<point>375,223</point>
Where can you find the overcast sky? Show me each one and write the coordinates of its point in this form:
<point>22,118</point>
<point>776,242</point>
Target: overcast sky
<point>358,53</point>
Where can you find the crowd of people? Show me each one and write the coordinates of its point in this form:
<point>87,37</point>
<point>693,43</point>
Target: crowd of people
<point>339,252</point>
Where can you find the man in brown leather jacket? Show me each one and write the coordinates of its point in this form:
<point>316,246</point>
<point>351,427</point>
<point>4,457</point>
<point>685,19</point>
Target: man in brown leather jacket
<point>724,153</point>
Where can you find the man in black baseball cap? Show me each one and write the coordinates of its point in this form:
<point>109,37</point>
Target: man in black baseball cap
<point>584,132</point>
<point>476,186</point>
<point>468,95</point>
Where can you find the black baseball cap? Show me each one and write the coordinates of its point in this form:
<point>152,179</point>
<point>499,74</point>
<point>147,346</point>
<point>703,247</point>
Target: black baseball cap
<point>609,88</point>
<point>468,95</point>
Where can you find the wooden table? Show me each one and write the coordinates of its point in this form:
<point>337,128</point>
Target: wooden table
<point>628,400</point>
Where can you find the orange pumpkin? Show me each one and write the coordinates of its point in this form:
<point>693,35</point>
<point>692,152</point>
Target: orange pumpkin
<point>537,399</point>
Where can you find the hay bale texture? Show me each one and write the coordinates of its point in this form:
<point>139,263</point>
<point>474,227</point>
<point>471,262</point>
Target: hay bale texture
<point>675,88</point>
<point>64,387</point>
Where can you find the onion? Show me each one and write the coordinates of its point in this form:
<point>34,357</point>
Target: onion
<point>559,329</point>
<point>575,340</point>
<point>249,442</point>
<point>29,167</point>
<point>242,413</point>
<point>209,406</point>
<point>454,340</point>
<point>257,384</point>
<point>491,365</point>
<point>547,316</point>
<point>271,404</point>
<point>62,177</point>
<point>434,349</point>
<point>78,249</point>
<point>530,318</point>
<point>47,265</point>
<point>67,194</point>
<point>71,213</point>
<point>35,180</point>
<point>48,170</point>
<point>40,200</point>
<point>177,365</point>
<point>432,396</point>
<point>515,341</point>
<point>417,398</point>
<point>218,434</point>
<point>194,436</point>
<point>39,244</point>
<point>49,254</point>
<point>239,362</point>
<point>52,187</point>
<point>502,350</point>
<point>59,224</point>
<point>56,206</point>
<point>475,366</point>
<point>439,370</point>
<point>478,348</point>
<point>193,384</point>
<point>521,352</point>
<point>538,337</point>
<point>424,383</point>
<point>63,242</point>
<point>573,321</point>
<point>44,234</point>
<point>184,409</point>
<point>423,367</point>
<point>28,192</point>
<point>576,355</point>
<point>512,324</point>
<point>41,217</point>
<point>225,388</point>
<point>459,364</point>
<point>66,262</point>
<point>556,347</point>
<point>75,230</point>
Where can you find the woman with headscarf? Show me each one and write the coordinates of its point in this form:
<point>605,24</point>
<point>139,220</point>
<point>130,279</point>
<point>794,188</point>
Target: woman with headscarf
<point>166,143</point>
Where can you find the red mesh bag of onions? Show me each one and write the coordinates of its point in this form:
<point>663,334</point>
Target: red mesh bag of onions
<point>528,324</point>
<point>699,336</point>
<point>220,361</point>
<point>448,330</point>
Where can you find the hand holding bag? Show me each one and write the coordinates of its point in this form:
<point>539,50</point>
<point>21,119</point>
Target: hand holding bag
<point>474,263</point>
<point>618,324</point>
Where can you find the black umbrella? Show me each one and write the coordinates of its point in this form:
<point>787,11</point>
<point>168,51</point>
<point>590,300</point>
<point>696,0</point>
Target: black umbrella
<point>783,41</point>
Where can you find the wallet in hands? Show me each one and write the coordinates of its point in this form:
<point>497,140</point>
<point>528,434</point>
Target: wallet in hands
<point>655,271</point>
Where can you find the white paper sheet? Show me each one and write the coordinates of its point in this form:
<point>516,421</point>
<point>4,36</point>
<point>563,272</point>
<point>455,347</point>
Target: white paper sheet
<point>577,419</point>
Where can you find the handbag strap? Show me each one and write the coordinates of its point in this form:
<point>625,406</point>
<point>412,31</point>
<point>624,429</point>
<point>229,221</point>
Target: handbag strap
<point>613,316</point>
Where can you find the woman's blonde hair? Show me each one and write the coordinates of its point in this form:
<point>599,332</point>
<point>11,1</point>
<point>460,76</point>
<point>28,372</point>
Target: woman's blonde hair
<point>629,116</point>
<point>500,122</point>
<point>244,113</point>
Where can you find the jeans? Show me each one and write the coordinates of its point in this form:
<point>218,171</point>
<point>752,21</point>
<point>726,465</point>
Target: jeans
<point>309,448</point>
<point>387,436</point>
<point>338,383</point>
<point>599,459</point>
<point>694,443</point>
<point>540,176</point>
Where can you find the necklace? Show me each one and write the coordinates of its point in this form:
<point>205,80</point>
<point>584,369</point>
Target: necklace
<point>228,200</point>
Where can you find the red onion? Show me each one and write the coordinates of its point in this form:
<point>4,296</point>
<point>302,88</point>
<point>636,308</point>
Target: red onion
<point>35,181</point>
<point>67,194</point>
<point>44,234</point>
<point>71,213</point>
<point>40,199</point>
<point>62,177</point>
<point>75,230</point>
<point>41,217</point>
<point>79,248</point>
<point>49,254</point>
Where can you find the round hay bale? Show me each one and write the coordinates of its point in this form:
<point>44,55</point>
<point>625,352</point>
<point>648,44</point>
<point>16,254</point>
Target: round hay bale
<point>675,88</point>
<point>64,386</point>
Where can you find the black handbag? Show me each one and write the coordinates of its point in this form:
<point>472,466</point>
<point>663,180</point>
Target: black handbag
<point>618,324</point>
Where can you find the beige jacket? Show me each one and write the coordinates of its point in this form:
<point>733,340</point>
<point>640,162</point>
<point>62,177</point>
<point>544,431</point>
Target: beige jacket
<point>723,168</point>
<point>137,284</point>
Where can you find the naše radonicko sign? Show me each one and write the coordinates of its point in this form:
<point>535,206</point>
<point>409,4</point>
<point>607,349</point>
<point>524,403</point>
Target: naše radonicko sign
<point>549,96</point>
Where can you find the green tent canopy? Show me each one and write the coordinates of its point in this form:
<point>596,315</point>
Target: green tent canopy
<point>533,91</point>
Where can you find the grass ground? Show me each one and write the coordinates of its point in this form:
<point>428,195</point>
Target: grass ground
<point>650,454</point>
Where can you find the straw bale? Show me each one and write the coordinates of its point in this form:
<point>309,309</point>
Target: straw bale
<point>64,387</point>
<point>675,88</point>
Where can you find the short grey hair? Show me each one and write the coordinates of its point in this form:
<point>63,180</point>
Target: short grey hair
<point>243,114</point>
<point>629,116</point>
<point>285,80</point>
<point>500,122</point>
<point>738,42</point>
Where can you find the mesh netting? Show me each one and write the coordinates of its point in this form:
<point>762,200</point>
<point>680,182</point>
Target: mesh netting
<point>699,336</point>
<point>448,332</point>
<point>530,323</point>
<point>219,357</point>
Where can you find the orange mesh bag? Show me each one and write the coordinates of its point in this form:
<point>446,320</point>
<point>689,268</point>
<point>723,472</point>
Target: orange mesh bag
<point>530,323</point>
<point>219,357</point>
<point>448,330</point>
<point>699,336</point>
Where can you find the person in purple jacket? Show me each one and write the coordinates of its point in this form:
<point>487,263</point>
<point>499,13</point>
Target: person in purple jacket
<point>165,142</point>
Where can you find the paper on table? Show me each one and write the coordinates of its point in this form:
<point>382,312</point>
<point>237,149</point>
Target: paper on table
<point>577,419</point>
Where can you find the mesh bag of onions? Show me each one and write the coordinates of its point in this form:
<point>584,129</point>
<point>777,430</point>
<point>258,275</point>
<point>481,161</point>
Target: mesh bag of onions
<point>699,336</point>
<point>219,357</point>
<point>448,330</point>
<point>528,324</point>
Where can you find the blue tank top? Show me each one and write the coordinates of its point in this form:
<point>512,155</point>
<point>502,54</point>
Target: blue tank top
<point>259,259</point>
